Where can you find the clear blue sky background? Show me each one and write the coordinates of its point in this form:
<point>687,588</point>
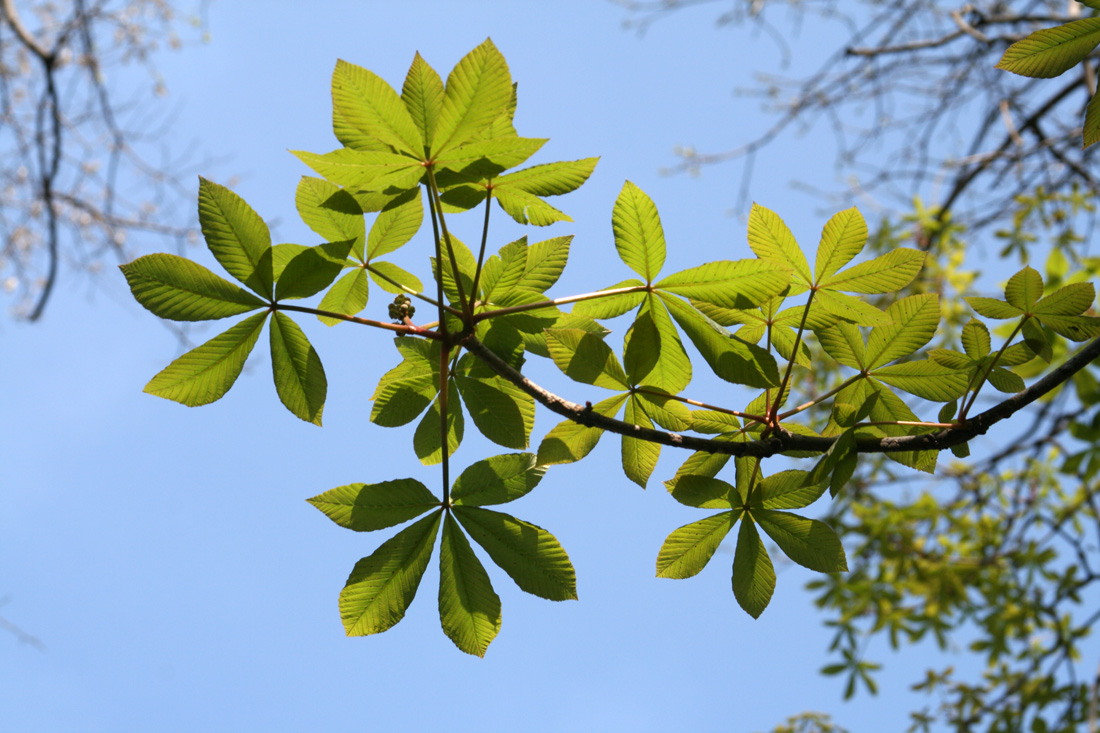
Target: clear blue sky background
<point>166,555</point>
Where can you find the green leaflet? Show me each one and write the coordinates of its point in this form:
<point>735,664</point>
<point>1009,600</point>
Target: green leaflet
<point>360,170</point>
<point>810,543</point>
<point>503,271</point>
<point>842,238</point>
<point>704,492</point>
<point>639,237</point>
<point>530,555</point>
<point>503,412</point>
<point>527,208</point>
<point>975,339</point>
<point>653,354</point>
<point>550,179</point>
<point>771,240</point>
<point>639,456</point>
<point>927,379</point>
<point>713,421</point>
<point>204,374</point>
<point>788,490</point>
<point>398,401</point>
<point>381,586</point>
<point>570,441</point>
<point>545,262</point>
<point>844,342</point>
<point>422,94</point>
<point>1070,300</point>
<point>497,480</point>
<point>366,110</point>
<point>741,284</point>
<point>368,507</point>
<point>845,307</point>
<point>664,410</point>
<point>299,376</point>
<point>753,574</point>
<point>729,357</point>
<point>469,608</point>
<point>611,306</point>
<point>914,323</point>
<point>584,357</point>
<point>1024,289</point>
<point>282,254</point>
<point>348,296</point>
<point>395,225</point>
<point>237,236</point>
<point>1049,52</point>
<point>485,159</point>
<point>427,442</point>
<point>394,279</point>
<point>1091,130</point>
<point>466,267</point>
<point>330,212</point>
<point>312,270</point>
<point>178,289</point>
<point>887,273</point>
<point>687,550</point>
<point>479,90</point>
<point>993,308</point>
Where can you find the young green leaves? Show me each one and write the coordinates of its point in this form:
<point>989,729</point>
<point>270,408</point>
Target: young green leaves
<point>382,586</point>
<point>178,289</point>
<point>756,501</point>
<point>1053,51</point>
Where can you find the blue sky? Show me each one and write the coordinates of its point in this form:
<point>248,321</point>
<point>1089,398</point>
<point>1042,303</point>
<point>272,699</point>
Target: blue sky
<point>166,556</point>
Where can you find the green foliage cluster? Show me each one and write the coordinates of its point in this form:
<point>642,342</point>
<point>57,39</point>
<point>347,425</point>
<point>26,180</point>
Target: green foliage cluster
<point>761,323</point>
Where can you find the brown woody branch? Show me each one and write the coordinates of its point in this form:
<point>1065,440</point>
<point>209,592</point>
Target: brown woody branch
<point>783,441</point>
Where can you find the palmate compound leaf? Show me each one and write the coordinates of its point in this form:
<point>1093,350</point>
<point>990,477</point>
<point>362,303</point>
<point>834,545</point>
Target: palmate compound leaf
<point>382,586</point>
<point>204,374</point>
<point>809,542</point>
<point>1049,52</point>
<point>237,236</point>
<point>178,289</point>
<point>368,507</point>
<point>497,480</point>
<point>753,574</point>
<point>520,193</point>
<point>299,377</point>
<point>687,550</point>
<point>530,555</point>
<point>469,608</point>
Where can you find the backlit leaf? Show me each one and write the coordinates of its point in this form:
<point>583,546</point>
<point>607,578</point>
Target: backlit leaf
<point>740,284</point>
<point>914,323</point>
<point>381,586</point>
<point>1049,52</point>
<point>570,441</point>
<point>331,212</point>
<point>204,374</point>
<point>178,289</point>
<point>530,555</point>
<point>810,543</point>
<point>395,225</point>
<point>584,357</point>
<point>639,237</point>
<point>887,273</point>
<point>312,270</point>
<point>770,239</point>
<point>1024,289</point>
<point>479,90</point>
<point>469,608</point>
<point>753,574</point>
<point>687,550</point>
<point>237,236</point>
<point>299,376</point>
<point>422,94</point>
<point>639,456</point>
<point>497,480</point>
<point>367,507</point>
<point>348,296</point>
<point>843,238</point>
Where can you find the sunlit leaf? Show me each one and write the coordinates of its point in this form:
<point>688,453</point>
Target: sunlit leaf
<point>530,555</point>
<point>469,608</point>
<point>753,574</point>
<point>237,236</point>
<point>204,374</point>
<point>809,542</point>
<point>368,507</point>
<point>178,289</point>
<point>1048,52</point>
<point>497,480</point>
<point>687,550</point>
<point>381,586</point>
<point>299,376</point>
<point>639,237</point>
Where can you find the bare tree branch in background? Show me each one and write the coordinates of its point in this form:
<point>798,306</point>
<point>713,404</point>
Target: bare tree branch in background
<point>914,101</point>
<point>84,171</point>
